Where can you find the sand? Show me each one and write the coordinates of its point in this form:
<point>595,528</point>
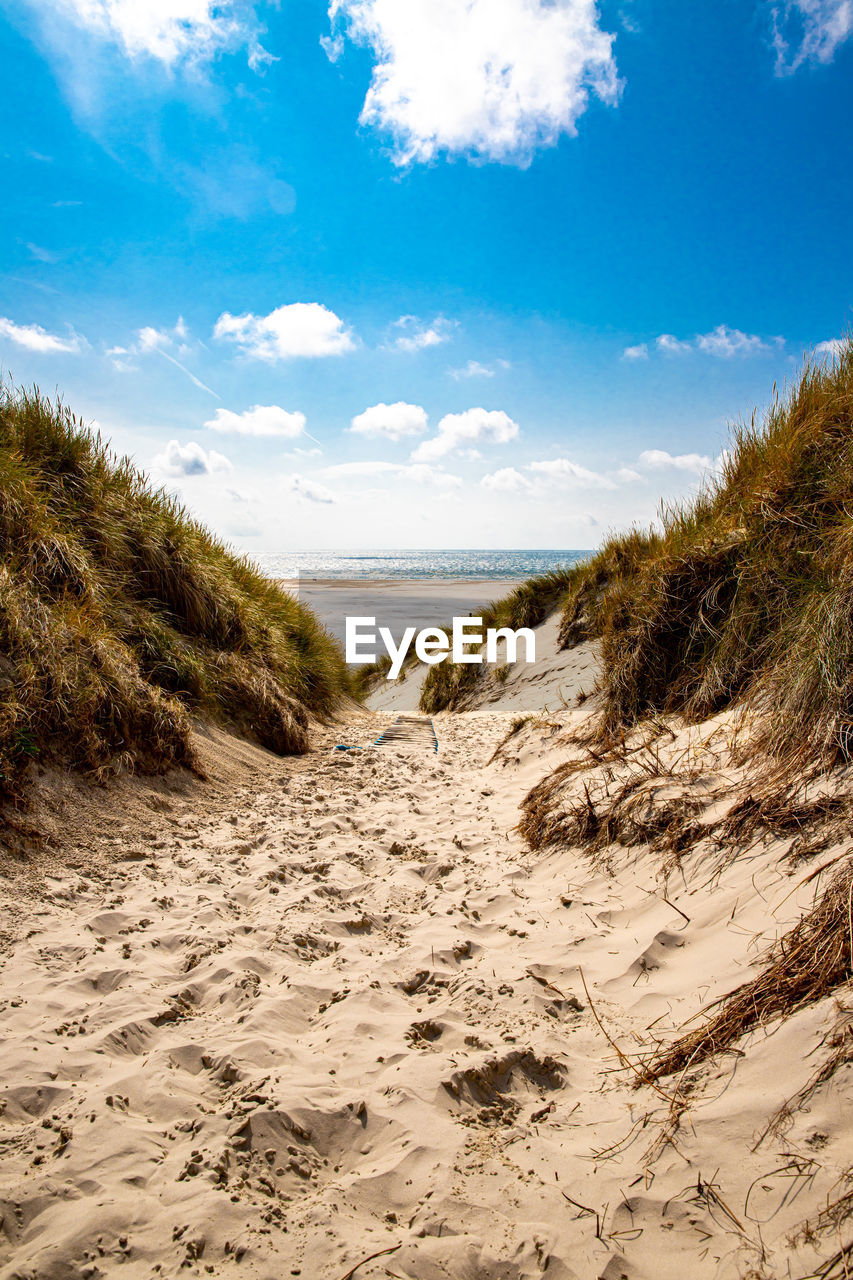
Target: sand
<point>331,1009</point>
<point>397,603</point>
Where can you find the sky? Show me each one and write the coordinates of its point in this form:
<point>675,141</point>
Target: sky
<point>423,273</point>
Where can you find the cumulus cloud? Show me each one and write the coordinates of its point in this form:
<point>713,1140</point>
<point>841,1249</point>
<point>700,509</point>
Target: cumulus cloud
<point>169,31</point>
<point>34,338</point>
<point>260,420</point>
<point>393,421</point>
<point>421,472</point>
<point>494,79</point>
<point>190,460</point>
<point>639,352</point>
<point>299,329</point>
<point>417,334</point>
<point>809,31</point>
<point>473,369</point>
<point>506,480</point>
<point>308,489</point>
<point>568,472</point>
<point>660,459</point>
<point>458,430</point>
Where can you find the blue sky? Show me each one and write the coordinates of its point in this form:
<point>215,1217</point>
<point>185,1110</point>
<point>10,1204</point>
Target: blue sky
<point>408,273</point>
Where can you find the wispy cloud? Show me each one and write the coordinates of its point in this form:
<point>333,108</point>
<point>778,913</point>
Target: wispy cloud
<point>180,460</point>
<point>722,342</point>
<point>809,31</point>
<point>48,256</point>
<point>494,79</point>
<point>639,352</point>
<point>673,346</point>
<point>458,430</point>
<point>416,334</point>
<point>393,421</point>
<point>148,340</point>
<point>260,420</point>
<point>34,338</point>
<point>660,459</point>
<point>307,489</point>
<point>565,471</point>
<point>725,342</point>
<point>473,369</point>
<point>300,329</point>
<point>168,31</point>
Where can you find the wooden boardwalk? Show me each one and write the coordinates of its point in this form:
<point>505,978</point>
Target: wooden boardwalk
<point>409,731</point>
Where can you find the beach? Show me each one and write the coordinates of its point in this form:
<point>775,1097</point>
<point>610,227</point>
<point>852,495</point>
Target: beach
<point>394,602</point>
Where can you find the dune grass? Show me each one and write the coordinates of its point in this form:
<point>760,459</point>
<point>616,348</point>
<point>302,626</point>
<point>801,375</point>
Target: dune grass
<point>120,615</point>
<point>448,684</point>
<point>748,594</point>
<point>743,598</point>
<point>744,593</point>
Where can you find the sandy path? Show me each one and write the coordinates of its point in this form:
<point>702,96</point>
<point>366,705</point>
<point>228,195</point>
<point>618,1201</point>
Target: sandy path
<point>347,1018</point>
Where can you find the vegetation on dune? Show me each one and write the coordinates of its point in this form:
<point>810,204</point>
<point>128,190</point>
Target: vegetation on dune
<point>749,592</point>
<point>448,684</point>
<point>744,597</point>
<point>119,614</point>
<point>744,593</point>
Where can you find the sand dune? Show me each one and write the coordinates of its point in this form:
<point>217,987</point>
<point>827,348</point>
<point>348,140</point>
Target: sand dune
<point>330,1017</point>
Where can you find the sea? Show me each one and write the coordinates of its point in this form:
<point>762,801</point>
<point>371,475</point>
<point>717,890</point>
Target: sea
<point>407,565</point>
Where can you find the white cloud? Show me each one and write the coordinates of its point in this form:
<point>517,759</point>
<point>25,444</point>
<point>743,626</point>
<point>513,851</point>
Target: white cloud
<point>496,79</point>
<point>660,459</point>
<point>639,352</point>
<point>260,420</point>
<point>566,471</point>
<point>506,480</point>
<point>308,489</point>
<point>149,338</point>
<point>809,31</point>
<point>726,342</point>
<point>722,342</point>
<point>473,369</point>
<point>35,338</point>
<point>170,31</point>
<point>832,348</point>
<point>674,346</point>
<point>190,460</point>
<point>417,334</point>
<point>393,421</point>
<point>421,473</point>
<point>299,329</point>
<point>332,46</point>
<point>456,430</point>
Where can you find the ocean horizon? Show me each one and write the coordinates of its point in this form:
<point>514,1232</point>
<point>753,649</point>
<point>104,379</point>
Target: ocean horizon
<point>373,564</point>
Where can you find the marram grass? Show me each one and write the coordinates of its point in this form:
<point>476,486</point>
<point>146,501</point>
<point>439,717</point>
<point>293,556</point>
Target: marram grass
<point>120,615</point>
<point>742,595</point>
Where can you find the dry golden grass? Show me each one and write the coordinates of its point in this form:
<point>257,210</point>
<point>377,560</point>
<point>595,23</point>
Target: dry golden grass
<point>120,614</point>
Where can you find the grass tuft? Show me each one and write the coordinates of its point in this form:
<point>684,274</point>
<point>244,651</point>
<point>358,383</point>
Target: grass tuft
<point>120,615</point>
